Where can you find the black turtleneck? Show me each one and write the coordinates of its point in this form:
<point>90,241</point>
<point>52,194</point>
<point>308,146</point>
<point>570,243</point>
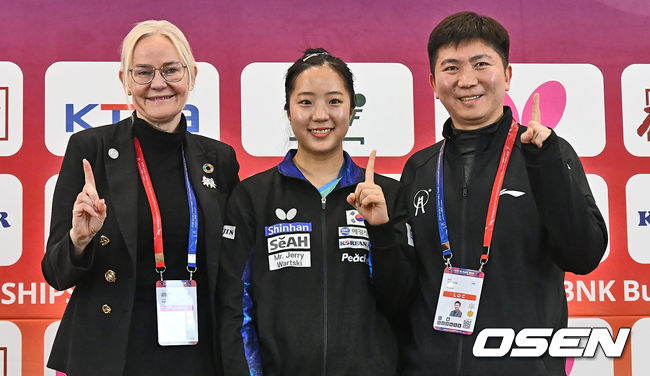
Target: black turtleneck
<point>162,154</point>
<point>465,141</point>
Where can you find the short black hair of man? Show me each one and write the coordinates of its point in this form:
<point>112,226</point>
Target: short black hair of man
<point>466,26</point>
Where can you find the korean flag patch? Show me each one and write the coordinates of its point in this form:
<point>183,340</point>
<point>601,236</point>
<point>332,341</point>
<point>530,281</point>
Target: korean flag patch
<point>354,218</point>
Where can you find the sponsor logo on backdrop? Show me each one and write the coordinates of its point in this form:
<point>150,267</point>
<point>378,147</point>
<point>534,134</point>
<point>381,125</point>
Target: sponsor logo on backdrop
<point>638,220</point>
<point>572,102</point>
<point>73,102</point>
<point>644,128</point>
<point>11,219</point>
<point>74,117</point>
<point>382,119</point>
<point>640,345</point>
<point>10,349</point>
<point>32,293</point>
<point>11,108</point>
<point>635,87</point>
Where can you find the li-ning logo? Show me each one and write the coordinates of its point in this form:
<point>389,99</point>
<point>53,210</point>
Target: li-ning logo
<point>288,215</point>
<point>420,200</point>
<point>532,342</point>
<point>552,97</point>
<point>511,193</point>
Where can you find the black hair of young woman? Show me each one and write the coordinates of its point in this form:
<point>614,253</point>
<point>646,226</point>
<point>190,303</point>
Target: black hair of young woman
<point>317,57</point>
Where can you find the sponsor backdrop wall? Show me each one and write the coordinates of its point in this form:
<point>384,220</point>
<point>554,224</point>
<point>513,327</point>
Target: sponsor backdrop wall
<point>588,59</point>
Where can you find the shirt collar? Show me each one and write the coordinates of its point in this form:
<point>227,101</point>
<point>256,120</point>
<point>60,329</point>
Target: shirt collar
<point>350,173</point>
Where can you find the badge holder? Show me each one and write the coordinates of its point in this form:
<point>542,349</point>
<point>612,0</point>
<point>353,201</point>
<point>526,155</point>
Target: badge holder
<point>176,308</point>
<point>460,289</point>
<point>460,293</point>
<point>176,300</point>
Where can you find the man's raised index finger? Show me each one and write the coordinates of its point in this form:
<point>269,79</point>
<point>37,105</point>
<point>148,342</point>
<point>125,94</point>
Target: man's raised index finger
<point>370,168</point>
<point>88,173</point>
<point>535,114</point>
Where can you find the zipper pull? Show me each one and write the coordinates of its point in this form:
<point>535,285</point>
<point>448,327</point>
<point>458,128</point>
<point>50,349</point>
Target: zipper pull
<point>323,200</point>
<point>465,191</point>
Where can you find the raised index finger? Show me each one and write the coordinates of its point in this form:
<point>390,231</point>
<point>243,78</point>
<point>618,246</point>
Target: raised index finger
<point>88,174</point>
<point>370,168</point>
<point>535,114</point>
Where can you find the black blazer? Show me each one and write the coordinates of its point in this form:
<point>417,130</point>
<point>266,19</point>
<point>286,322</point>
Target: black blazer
<point>93,334</point>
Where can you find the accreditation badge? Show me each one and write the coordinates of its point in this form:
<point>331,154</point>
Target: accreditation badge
<point>178,322</point>
<point>457,307</point>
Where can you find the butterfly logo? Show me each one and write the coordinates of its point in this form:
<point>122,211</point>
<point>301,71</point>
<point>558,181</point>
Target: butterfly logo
<point>552,102</point>
<point>289,215</point>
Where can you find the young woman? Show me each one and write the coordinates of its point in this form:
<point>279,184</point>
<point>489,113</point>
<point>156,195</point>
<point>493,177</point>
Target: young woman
<point>132,190</point>
<point>309,246</point>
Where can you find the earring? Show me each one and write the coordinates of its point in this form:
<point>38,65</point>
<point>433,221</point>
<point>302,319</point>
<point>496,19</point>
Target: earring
<point>128,93</point>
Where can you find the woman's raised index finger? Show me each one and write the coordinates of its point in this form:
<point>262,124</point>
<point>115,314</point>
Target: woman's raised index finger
<point>370,167</point>
<point>88,173</point>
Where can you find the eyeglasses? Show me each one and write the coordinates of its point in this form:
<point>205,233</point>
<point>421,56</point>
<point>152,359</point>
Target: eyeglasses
<point>170,72</point>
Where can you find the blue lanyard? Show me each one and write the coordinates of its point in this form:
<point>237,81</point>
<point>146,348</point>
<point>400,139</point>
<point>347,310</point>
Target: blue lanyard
<point>194,220</point>
<point>440,206</point>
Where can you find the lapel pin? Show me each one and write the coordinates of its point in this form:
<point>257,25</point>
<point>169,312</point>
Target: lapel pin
<point>208,168</point>
<point>209,182</point>
<point>113,153</point>
<point>103,240</point>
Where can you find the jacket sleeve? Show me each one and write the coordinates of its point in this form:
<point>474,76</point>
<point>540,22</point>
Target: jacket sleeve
<point>575,227</point>
<point>393,256</point>
<point>239,342</point>
<point>60,267</point>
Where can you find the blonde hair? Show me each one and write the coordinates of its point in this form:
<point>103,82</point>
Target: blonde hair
<point>149,28</point>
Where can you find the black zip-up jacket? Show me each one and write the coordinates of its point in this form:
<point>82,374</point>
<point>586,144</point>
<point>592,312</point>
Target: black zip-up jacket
<point>547,223</point>
<point>301,294</point>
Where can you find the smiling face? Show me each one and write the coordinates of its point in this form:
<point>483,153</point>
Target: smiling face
<point>319,111</point>
<point>471,82</point>
<point>160,102</point>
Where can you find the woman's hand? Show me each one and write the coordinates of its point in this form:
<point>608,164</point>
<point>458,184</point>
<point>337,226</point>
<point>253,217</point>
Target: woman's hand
<point>368,198</point>
<point>88,212</point>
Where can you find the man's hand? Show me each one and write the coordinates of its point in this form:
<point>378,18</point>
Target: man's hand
<point>536,132</point>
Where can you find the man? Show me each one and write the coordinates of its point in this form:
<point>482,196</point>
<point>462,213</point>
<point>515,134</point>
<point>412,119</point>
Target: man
<point>542,221</point>
<point>456,312</point>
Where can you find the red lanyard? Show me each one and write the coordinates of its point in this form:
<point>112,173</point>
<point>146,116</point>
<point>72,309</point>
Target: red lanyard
<point>496,191</point>
<point>153,204</point>
<point>494,199</point>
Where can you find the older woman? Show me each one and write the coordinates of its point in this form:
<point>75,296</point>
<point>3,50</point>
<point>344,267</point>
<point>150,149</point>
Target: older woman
<point>145,199</point>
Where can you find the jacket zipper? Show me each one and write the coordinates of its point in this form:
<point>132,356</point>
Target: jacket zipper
<point>323,201</point>
<point>459,357</point>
